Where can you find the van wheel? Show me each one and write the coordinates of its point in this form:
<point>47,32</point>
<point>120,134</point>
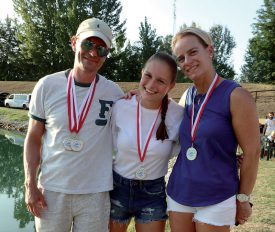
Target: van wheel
<point>25,107</point>
<point>7,105</point>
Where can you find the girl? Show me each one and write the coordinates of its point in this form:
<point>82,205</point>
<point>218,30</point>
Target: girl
<point>145,131</point>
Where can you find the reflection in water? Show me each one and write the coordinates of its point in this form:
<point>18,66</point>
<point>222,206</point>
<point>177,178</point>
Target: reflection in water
<point>15,139</point>
<point>12,179</point>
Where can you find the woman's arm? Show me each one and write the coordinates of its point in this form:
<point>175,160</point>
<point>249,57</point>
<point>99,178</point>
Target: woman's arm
<point>246,127</point>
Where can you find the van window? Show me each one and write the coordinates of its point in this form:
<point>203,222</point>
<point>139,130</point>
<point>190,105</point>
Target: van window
<point>21,97</point>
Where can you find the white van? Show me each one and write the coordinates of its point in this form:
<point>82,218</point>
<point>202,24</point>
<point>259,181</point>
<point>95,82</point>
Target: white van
<point>20,100</point>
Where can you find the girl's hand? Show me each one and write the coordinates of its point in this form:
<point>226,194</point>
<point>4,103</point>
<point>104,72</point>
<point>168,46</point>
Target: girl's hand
<point>129,95</point>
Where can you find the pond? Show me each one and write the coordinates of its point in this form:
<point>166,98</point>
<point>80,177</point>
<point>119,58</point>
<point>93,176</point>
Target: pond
<point>14,216</point>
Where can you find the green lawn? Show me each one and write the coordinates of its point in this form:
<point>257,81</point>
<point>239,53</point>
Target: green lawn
<point>17,115</point>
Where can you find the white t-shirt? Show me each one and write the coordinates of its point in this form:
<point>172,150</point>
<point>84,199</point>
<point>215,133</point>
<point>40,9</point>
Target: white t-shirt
<point>270,126</point>
<point>270,138</point>
<point>87,171</point>
<point>124,121</point>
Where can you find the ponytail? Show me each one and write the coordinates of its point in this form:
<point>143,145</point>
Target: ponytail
<point>162,132</point>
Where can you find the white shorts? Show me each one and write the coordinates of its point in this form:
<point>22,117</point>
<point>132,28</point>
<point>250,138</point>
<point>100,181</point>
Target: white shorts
<point>221,214</point>
<point>82,212</point>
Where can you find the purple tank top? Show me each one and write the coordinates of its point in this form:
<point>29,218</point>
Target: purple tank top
<point>213,176</point>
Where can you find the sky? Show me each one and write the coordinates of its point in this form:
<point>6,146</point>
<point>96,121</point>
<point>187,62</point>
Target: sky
<point>237,15</point>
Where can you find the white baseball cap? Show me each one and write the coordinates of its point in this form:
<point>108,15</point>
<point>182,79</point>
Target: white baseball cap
<point>94,27</point>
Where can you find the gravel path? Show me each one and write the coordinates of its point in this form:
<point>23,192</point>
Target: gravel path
<point>14,125</point>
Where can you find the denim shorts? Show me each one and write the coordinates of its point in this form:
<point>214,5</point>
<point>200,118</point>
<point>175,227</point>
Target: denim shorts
<point>145,200</point>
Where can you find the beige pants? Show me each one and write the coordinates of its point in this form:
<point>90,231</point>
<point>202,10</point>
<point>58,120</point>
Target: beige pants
<point>74,212</point>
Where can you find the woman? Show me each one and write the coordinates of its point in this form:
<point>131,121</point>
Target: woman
<point>218,115</point>
<point>145,131</point>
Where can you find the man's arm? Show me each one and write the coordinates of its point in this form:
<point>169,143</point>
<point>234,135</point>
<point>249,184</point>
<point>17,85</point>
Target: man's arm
<point>264,129</point>
<point>32,156</point>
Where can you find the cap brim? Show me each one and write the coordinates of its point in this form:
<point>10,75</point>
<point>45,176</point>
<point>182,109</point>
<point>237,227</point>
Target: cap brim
<point>85,35</point>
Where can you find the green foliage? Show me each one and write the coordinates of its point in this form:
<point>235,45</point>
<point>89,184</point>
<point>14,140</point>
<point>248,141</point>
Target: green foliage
<point>223,45</point>
<point>165,44</point>
<point>12,175</point>
<point>260,56</point>
<point>127,65</point>
<point>9,50</point>
<point>40,43</point>
<point>149,43</point>
<point>48,26</point>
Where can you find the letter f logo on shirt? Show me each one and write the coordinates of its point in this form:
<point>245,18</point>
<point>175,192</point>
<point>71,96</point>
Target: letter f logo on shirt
<point>103,109</point>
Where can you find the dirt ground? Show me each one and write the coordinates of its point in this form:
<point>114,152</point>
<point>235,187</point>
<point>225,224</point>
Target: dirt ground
<point>265,101</point>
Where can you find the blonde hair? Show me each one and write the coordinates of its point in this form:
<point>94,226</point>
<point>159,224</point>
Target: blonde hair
<point>204,38</point>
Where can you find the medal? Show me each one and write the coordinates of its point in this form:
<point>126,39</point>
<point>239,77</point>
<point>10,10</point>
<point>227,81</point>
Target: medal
<point>76,145</point>
<point>141,173</point>
<point>73,144</point>
<point>67,144</point>
<point>191,153</point>
<point>77,116</point>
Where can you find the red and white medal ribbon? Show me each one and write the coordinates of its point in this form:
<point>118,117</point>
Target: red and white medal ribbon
<point>139,137</point>
<point>194,125</point>
<point>77,116</point>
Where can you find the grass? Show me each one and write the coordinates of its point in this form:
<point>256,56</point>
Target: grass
<point>15,115</point>
<point>263,218</point>
<point>263,198</point>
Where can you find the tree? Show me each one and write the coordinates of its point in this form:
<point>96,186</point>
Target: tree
<point>48,26</point>
<point>8,50</point>
<point>148,43</point>
<point>128,64</point>
<point>193,24</point>
<point>12,175</point>
<point>259,58</point>
<point>165,44</point>
<point>223,43</point>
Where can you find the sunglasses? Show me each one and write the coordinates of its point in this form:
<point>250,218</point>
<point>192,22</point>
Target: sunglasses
<point>87,45</point>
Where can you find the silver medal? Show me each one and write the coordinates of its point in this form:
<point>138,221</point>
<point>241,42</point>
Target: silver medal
<point>141,173</point>
<point>76,144</point>
<point>67,144</point>
<point>191,153</point>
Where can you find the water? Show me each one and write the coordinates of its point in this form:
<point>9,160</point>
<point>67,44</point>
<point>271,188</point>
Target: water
<point>14,216</point>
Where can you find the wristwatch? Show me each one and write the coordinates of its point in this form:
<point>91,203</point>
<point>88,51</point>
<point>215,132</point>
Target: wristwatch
<point>243,197</point>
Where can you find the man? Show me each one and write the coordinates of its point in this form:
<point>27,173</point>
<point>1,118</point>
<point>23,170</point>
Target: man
<point>271,145</point>
<point>69,139</point>
<point>269,124</point>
